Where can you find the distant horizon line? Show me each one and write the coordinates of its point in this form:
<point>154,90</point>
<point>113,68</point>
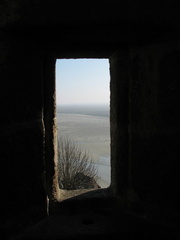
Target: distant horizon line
<point>72,104</point>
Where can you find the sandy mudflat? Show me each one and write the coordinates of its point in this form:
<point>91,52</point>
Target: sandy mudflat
<point>92,133</point>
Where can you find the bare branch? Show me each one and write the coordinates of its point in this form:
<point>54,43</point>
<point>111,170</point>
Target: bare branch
<point>76,168</point>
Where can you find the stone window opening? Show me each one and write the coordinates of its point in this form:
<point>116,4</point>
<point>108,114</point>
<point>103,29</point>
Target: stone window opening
<point>89,113</point>
<point>119,130</point>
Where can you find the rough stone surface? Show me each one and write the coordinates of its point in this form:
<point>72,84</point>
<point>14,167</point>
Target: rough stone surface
<point>141,39</point>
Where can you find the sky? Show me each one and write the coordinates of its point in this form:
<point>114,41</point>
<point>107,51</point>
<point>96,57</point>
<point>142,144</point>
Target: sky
<point>82,81</point>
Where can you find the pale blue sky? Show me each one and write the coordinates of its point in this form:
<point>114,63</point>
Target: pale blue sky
<point>82,81</point>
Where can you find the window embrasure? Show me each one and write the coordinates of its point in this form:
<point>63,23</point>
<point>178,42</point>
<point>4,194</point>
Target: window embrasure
<point>82,102</point>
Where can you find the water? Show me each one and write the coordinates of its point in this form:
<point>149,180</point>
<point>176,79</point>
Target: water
<point>89,127</point>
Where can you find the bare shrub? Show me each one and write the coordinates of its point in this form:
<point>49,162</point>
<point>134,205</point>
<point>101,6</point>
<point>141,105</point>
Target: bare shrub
<point>75,167</point>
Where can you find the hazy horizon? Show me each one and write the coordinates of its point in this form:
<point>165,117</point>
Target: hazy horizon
<point>102,110</point>
<point>83,104</point>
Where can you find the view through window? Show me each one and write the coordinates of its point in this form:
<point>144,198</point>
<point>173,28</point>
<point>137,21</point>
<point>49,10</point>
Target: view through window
<point>83,99</point>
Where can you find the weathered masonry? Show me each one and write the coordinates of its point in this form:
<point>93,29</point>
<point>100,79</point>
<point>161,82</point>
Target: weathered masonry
<point>142,43</point>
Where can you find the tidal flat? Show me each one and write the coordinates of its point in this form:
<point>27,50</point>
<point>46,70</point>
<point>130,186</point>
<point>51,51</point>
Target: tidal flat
<point>92,134</point>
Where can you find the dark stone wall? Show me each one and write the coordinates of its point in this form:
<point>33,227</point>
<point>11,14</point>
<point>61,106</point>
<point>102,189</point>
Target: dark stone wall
<point>155,134</point>
<point>145,120</point>
<point>119,118</point>
<point>22,128</point>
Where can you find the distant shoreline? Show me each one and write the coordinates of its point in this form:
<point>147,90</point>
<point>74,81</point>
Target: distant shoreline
<point>101,110</point>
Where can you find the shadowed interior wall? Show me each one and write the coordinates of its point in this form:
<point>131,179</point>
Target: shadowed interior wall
<point>22,128</point>
<point>119,122</point>
<point>144,124</point>
<point>155,118</point>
